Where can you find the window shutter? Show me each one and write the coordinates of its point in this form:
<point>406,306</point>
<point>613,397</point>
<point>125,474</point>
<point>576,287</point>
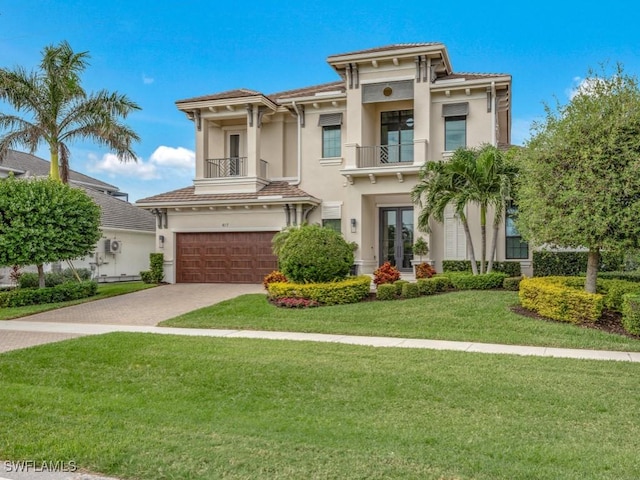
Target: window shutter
<point>329,119</point>
<point>455,240</point>
<point>331,210</point>
<point>455,109</point>
<point>387,91</point>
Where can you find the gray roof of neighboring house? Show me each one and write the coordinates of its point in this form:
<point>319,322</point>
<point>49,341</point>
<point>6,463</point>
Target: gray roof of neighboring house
<point>25,163</point>
<point>384,48</point>
<point>115,213</point>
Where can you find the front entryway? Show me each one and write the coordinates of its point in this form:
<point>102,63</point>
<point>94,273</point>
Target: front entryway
<point>396,237</point>
<point>224,257</point>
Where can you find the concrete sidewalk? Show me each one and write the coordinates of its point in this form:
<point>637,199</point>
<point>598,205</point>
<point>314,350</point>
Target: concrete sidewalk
<point>93,329</point>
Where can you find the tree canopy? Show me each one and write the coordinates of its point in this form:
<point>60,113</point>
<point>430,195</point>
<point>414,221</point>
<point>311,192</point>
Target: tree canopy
<point>59,111</point>
<point>43,221</point>
<point>580,181</point>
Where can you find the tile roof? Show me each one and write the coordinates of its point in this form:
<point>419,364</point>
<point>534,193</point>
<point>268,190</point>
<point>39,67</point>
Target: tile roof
<point>115,213</point>
<point>396,46</point>
<point>187,194</point>
<point>27,163</point>
<point>237,93</point>
<point>308,91</point>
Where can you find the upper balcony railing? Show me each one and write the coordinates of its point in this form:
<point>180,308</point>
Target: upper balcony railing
<point>232,167</point>
<point>384,155</point>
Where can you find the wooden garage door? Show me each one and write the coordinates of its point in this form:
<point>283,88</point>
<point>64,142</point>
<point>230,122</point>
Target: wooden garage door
<point>229,257</point>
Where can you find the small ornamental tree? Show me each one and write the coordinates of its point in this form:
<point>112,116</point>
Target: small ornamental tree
<point>43,220</point>
<point>315,254</point>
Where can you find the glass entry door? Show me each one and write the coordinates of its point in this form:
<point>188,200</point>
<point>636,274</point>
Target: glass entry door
<point>396,237</point>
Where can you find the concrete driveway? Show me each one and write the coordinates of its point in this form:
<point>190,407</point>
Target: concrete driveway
<point>143,308</point>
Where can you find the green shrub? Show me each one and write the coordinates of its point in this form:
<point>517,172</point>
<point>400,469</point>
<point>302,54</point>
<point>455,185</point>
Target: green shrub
<point>51,279</point>
<point>398,284</point>
<point>315,254</point>
<point>351,290</point>
<point>442,283</point>
<point>427,286</point>
<point>146,276</point>
<point>386,273</point>
<point>614,291</point>
<point>156,262</point>
<point>631,313</point>
<point>410,290</point>
<point>386,291</point>
<point>512,269</point>
<point>548,263</point>
<point>512,283</point>
<point>551,297</point>
<point>618,275</point>
<point>60,293</point>
<point>468,281</point>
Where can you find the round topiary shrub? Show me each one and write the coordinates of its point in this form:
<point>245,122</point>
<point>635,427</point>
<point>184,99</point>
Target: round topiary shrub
<point>312,254</point>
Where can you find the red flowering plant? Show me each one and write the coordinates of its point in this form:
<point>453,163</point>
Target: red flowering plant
<point>386,273</point>
<point>273,277</point>
<point>289,302</point>
<point>424,270</point>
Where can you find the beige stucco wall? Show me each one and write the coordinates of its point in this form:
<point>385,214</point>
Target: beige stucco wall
<point>134,257</point>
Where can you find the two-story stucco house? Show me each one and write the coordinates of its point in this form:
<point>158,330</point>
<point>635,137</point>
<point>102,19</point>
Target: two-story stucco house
<point>344,154</point>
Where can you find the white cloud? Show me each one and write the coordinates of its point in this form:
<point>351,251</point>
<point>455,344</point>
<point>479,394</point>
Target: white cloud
<point>179,157</point>
<point>113,167</point>
<point>147,80</point>
<point>582,85</point>
<point>164,163</point>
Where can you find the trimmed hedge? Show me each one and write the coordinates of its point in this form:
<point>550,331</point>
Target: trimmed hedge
<point>512,283</point>
<point>442,283</point>
<point>551,297</point>
<point>612,290</point>
<point>51,279</point>
<point>547,263</point>
<point>386,291</point>
<point>629,276</point>
<point>410,290</point>
<point>512,269</point>
<point>351,290</point>
<point>60,293</point>
<point>468,281</point>
<point>427,286</point>
<point>399,284</point>
<point>631,313</point>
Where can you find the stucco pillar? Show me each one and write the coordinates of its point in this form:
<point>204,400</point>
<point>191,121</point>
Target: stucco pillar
<point>253,142</point>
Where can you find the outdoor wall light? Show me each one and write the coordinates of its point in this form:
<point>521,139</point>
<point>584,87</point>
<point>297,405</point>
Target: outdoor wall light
<point>353,225</point>
<point>161,240</point>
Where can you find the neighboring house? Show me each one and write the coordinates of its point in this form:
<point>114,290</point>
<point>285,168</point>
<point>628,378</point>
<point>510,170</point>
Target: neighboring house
<point>344,154</point>
<point>128,232</point>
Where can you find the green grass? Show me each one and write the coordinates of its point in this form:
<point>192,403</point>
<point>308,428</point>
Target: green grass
<point>478,316</point>
<point>159,407</point>
<point>105,290</point>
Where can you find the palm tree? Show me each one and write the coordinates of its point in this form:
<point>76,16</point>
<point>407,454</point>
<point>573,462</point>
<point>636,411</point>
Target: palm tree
<point>442,184</point>
<point>60,111</point>
<point>480,176</point>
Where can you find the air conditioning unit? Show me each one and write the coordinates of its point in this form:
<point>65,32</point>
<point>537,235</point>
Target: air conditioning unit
<point>112,246</point>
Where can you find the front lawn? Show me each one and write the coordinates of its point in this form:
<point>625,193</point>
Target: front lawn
<point>105,290</point>
<point>159,407</point>
<point>478,316</point>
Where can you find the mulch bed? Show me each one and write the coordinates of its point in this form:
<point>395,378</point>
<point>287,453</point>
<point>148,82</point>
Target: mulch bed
<point>610,322</point>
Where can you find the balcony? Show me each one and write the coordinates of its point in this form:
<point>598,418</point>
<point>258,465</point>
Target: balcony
<point>232,167</point>
<point>375,156</point>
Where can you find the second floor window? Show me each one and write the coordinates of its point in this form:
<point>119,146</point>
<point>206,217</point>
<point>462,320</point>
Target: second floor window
<point>331,124</point>
<point>516,248</point>
<point>455,133</point>
<point>331,141</point>
<point>455,125</point>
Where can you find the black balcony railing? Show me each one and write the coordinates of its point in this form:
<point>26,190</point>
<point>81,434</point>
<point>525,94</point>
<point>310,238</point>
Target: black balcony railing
<point>384,155</point>
<point>226,167</point>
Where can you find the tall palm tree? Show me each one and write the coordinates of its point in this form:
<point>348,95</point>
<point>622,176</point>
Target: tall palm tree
<point>442,184</point>
<point>480,176</point>
<point>60,111</point>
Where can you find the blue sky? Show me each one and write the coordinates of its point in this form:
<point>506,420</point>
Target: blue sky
<point>159,52</point>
